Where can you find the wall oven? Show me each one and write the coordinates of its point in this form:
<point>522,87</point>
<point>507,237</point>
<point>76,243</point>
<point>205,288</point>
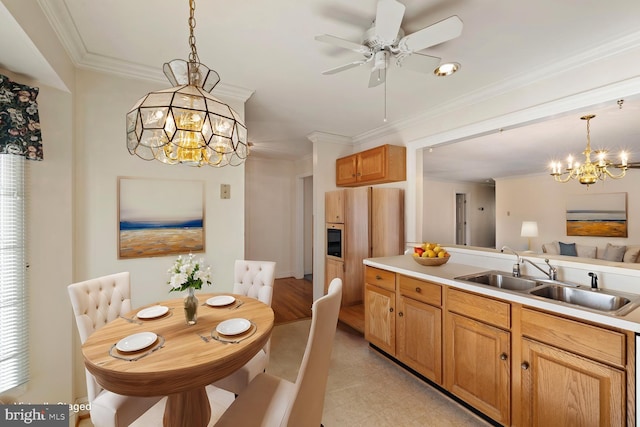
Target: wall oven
<point>335,241</point>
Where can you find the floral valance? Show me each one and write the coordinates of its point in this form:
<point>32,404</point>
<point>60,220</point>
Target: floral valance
<point>19,120</point>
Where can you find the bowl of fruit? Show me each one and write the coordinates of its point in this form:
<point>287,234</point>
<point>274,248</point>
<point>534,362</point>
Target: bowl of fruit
<point>430,254</point>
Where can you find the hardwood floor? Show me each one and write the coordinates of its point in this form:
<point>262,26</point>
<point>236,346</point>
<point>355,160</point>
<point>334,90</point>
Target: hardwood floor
<point>292,299</point>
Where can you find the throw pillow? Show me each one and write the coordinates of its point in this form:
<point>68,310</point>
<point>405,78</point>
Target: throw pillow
<point>568,249</point>
<point>585,251</point>
<point>614,253</point>
<point>551,248</point>
<point>631,255</point>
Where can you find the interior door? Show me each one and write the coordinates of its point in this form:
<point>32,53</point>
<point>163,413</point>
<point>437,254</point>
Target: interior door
<point>461,219</point>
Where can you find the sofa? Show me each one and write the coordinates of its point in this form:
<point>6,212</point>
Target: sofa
<point>617,253</point>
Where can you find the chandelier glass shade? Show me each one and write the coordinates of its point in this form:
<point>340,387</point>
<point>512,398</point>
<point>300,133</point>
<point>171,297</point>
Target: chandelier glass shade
<point>589,172</point>
<point>185,123</point>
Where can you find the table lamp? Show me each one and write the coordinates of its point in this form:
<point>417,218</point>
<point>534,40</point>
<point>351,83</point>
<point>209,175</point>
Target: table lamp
<point>529,229</point>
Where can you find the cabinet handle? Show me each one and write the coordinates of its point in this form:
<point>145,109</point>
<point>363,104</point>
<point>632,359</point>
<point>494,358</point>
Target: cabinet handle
<point>503,356</point>
<point>378,277</point>
<point>418,289</point>
<point>391,310</point>
<point>400,314</point>
<point>525,365</point>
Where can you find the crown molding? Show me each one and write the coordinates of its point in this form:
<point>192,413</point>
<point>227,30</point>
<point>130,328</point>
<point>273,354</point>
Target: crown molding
<point>330,137</point>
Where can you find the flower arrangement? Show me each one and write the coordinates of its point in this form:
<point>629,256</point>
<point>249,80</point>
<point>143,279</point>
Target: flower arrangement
<point>188,273</point>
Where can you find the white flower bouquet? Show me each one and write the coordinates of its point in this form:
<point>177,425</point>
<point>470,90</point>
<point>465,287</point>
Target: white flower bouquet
<point>188,273</point>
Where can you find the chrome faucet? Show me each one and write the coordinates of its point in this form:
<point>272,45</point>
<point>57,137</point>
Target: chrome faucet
<point>516,266</point>
<point>551,274</point>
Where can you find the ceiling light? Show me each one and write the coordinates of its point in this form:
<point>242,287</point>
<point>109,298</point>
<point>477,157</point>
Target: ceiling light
<point>446,69</point>
<point>186,124</point>
<point>589,172</point>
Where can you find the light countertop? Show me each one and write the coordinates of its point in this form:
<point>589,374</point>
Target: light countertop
<point>404,264</point>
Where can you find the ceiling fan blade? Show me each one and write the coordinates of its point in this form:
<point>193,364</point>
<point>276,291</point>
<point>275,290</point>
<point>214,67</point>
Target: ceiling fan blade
<point>346,44</point>
<point>344,67</point>
<point>388,20</point>
<point>377,77</point>
<point>432,35</point>
<point>418,62</point>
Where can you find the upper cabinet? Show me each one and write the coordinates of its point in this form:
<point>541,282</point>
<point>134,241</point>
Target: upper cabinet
<point>379,165</point>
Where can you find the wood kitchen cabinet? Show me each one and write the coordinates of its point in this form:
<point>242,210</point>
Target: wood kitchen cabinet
<point>477,353</point>
<point>567,377</point>
<point>332,269</point>
<point>334,207</point>
<point>379,309</point>
<point>419,326</point>
<point>379,165</point>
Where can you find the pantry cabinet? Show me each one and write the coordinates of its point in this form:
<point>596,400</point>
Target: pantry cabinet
<point>379,165</point>
<point>379,309</point>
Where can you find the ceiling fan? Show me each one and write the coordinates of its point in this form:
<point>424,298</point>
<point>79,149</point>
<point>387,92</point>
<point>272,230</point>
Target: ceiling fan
<point>385,40</point>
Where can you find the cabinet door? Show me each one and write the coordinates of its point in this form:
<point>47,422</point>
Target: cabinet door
<point>346,169</point>
<point>419,337</point>
<point>333,269</point>
<point>334,206</point>
<point>371,164</point>
<point>563,389</point>
<point>477,366</point>
<point>379,318</point>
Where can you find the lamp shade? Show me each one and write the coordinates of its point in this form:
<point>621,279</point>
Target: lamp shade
<point>529,229</point>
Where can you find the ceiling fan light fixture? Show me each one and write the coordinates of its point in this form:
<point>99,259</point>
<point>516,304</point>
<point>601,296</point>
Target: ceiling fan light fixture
<point>185,123</point>
<point>446,69</point>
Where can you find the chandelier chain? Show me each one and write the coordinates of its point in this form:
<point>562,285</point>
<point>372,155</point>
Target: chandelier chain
<point>193,56</point>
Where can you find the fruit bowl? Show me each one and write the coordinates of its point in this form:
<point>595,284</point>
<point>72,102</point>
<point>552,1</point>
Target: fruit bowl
<point>430,261</point>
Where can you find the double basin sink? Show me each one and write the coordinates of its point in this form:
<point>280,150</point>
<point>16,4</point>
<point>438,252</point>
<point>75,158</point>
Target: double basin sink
<point>608,302</point>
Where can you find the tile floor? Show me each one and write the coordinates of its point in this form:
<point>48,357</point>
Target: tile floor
<point>364,388</point>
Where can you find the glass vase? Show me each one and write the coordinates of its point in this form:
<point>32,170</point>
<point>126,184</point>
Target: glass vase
<point>191,308</point>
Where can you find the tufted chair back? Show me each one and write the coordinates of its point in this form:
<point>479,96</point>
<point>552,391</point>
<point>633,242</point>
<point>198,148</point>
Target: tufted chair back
<point>96,302</point>
<point>254,279</point>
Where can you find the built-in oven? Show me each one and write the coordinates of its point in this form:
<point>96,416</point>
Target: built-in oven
<point>335,241</point>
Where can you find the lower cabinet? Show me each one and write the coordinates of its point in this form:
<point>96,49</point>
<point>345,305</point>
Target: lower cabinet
<point>563,389</point>
<point>518,365</point>
<point>332,269</point>
<point>478,364</point>
<point>419,327</point>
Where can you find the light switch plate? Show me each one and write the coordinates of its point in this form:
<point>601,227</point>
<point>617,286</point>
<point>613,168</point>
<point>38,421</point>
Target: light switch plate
<point>225,191</point>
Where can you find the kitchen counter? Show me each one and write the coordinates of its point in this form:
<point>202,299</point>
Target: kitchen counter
<point>444,274</point>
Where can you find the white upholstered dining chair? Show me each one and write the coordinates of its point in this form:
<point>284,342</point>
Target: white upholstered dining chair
<point>254,279</point>
<point>271,401</point>
<point>96,302</point>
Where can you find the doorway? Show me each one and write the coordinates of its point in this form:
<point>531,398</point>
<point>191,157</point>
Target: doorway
<point>461,219</point>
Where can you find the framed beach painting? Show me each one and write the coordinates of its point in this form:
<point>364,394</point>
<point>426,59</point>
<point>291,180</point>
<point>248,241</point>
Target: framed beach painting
<point>159,217</point>
<point>597,215</point>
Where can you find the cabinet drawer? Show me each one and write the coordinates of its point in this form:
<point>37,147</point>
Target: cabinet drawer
<point>382,278</point>
<point>421,290</point>
<point>487,310</point>
<point>591,341</point>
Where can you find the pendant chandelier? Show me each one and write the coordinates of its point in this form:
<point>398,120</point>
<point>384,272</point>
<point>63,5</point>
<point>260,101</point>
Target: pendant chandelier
<point>589,172</point>
<point>186,124</point>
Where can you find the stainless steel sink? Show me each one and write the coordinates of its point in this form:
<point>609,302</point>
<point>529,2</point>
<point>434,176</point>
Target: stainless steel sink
<point>596,300</point>
<point>501,280</point>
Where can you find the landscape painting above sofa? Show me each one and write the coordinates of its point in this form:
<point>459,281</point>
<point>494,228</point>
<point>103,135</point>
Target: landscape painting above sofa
<point>597,215</point>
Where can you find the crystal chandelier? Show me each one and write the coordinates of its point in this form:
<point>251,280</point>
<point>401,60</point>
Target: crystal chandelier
<point>589,172</point>
<point>186,124</point>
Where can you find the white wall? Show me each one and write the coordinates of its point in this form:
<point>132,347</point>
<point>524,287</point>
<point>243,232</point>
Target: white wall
<point>439,212</point>
<point>269,214</point>
<point>539,198</point>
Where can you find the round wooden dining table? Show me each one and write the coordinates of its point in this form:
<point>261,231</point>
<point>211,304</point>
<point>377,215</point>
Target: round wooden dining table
<point>183,359</point>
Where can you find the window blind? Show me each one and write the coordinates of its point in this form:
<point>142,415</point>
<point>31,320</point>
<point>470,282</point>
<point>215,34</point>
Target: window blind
<point>14,362</point>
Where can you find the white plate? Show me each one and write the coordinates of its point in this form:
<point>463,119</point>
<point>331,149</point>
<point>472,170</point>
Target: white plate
<point>220,300</point>
<point>137,341</point>
<point>152,312</point>
<point>233,326</point>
